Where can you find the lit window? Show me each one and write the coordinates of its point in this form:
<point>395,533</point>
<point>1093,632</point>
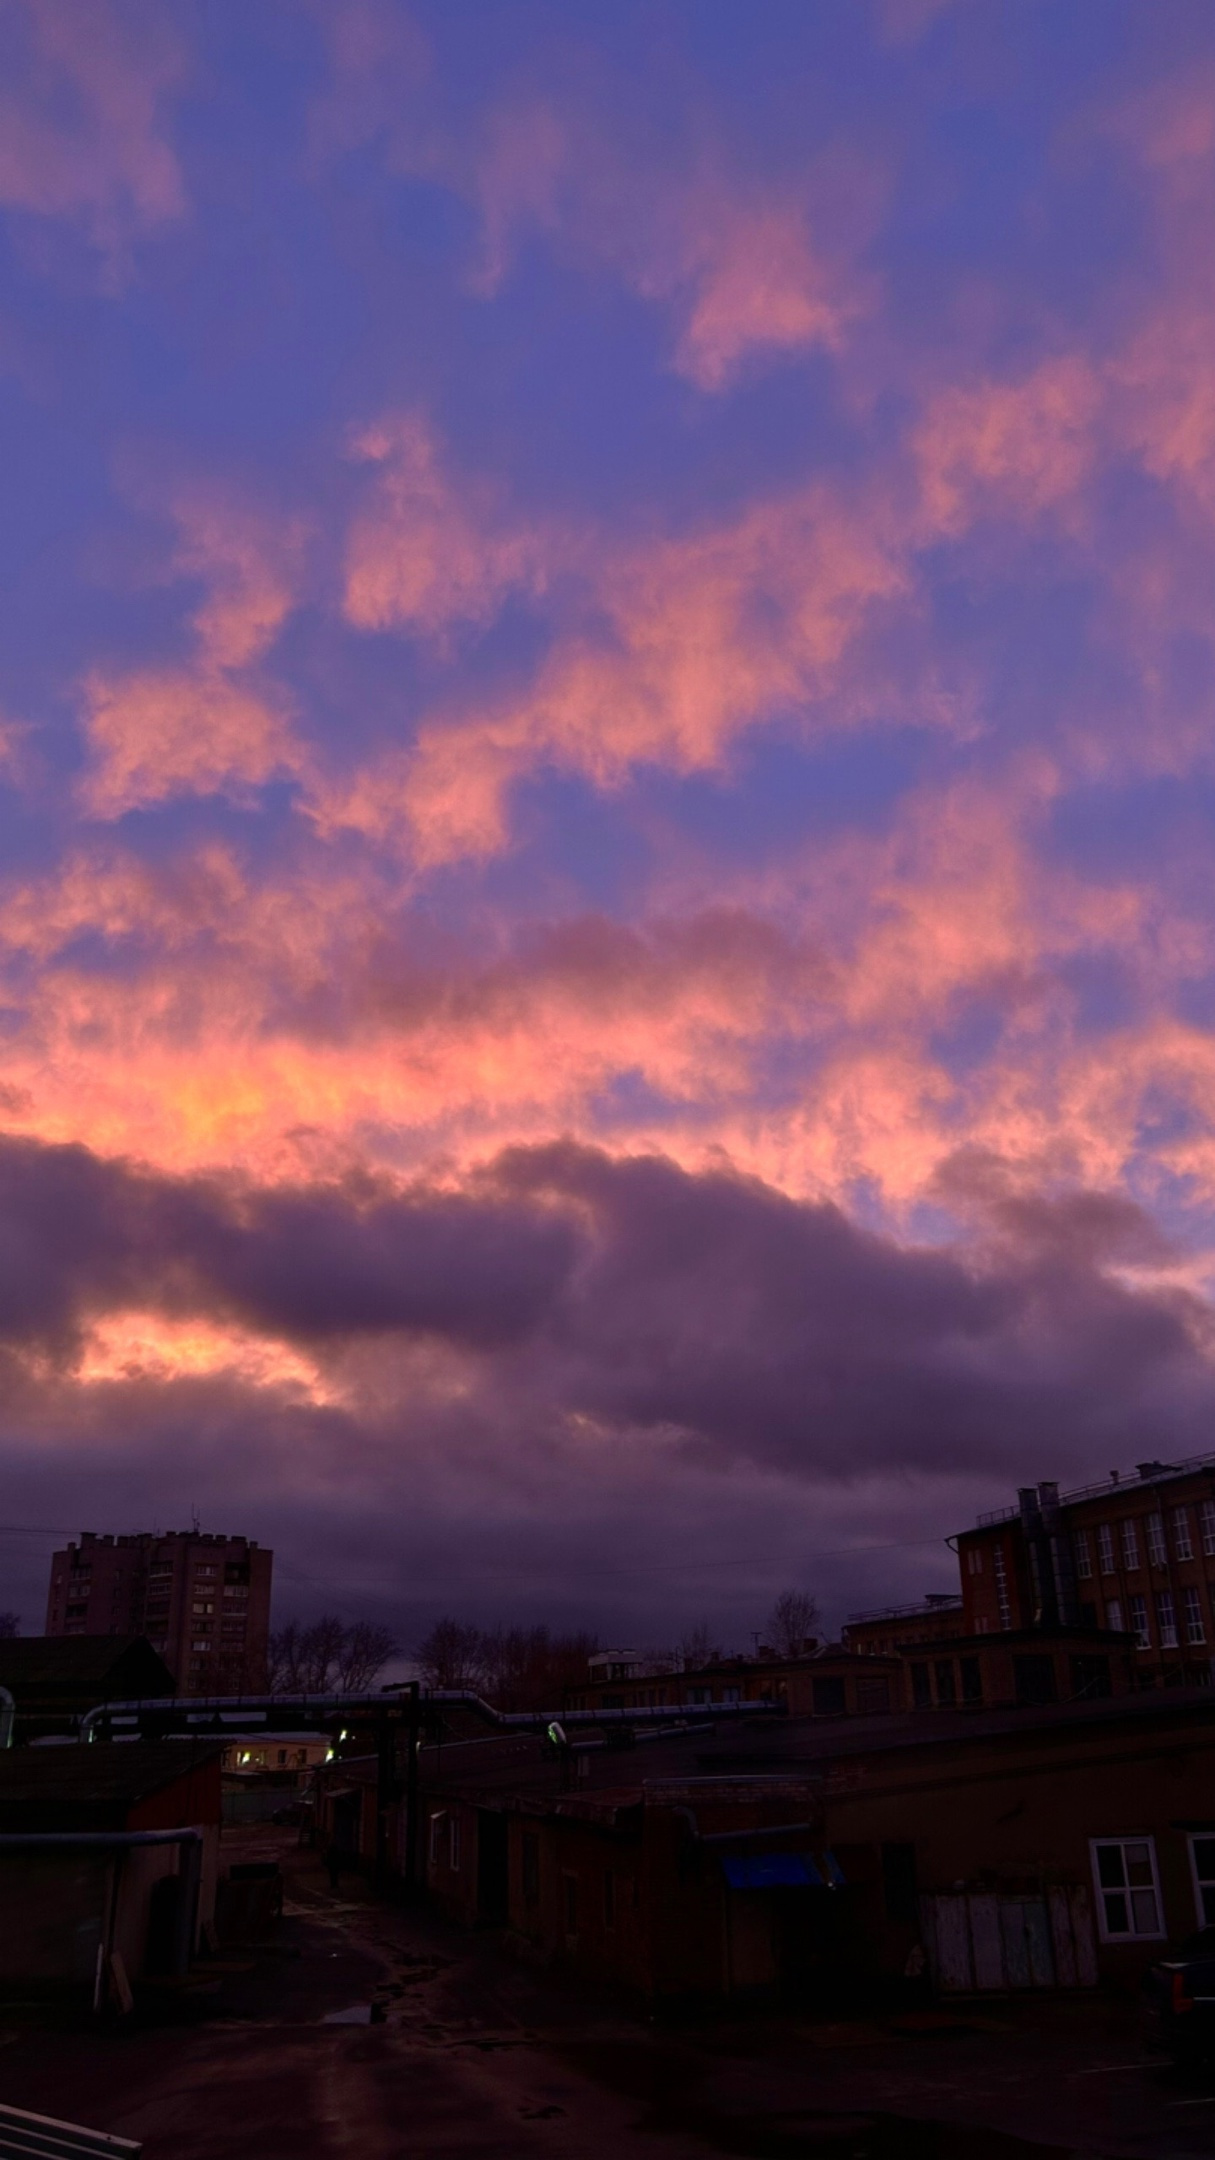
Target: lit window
<point>1128,1890</point>
<point>1113,1614</point>
<point>1084,1560</point>
<point>1166,1619</point>
<point>1139,1623</point>
<point>1155,1539</point>
<point>1195,1632</point>
<point>1207,1514</point>
<point>1202,1862</point>
<point>1181,1534</point>
<point>1105,1548</point>
<point>1130,1544</point>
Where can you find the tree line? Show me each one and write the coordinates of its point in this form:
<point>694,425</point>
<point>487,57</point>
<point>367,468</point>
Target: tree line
<point>328,1657</point>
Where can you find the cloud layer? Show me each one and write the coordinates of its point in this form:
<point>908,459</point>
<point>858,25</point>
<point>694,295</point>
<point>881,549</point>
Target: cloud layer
<point>606,714</point>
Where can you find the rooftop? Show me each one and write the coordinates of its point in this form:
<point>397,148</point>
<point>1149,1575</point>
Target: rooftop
<point>1118,1481</point>
<point>64,1663</point>
<point>78,1786</point>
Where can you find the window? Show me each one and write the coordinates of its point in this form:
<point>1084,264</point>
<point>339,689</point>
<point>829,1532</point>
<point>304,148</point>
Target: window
<point>203,1643</point>
<point>1084,1559</point>
<point>531,1867</point>
<point>1155,1541</point>
<point>1181,1534</point>
<point>947,1686</point>
<point>921,1687</point>
<point>206,1569</point>
<point>695,1695</point>
<point>1113,1614</point>
<point>1130,1543</point>
<point>974,1560</point>
<point>609,1898</point>
<point>1105,1548</point>
<point>1090,1678</point>
<point>569,1903</point>
<point>1207,1517</point>
<point>436,1837</point>
<point>1034,1679</point>
<point>453,1844</point>
<point>872,1695</point>
<point>1166,1619</point>
<point>1195,1632</point>
<point>1139,1623</point>
<point>1202,1864</point>
<point>972,1679</point>
<point>827,1696</point>
<point>1002,1599</point>
<point>1128,1890</point>
<point>728,1694</point>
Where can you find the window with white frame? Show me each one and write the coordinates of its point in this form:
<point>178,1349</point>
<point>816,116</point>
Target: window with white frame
<point>436,1836</point>
<point>1113,1614</point>
<point>974,1560</point>
<point>1128,1889</point>
<point>1166,1619</point>
<point>1130,1543</point>
<point>1181,1534</point>
<point>1195,1630</point>
<point>1105,1548</point>
<point>1139,1622</point>
<point>1207,1517</point>
<point>1202,1866</point>
<point>1084,1559</point>
<point>1155,1541</point>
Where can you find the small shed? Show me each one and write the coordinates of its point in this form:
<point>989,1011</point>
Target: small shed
<point>108,1861</point>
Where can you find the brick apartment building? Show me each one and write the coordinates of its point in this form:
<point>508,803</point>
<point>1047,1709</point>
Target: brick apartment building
<point>202,1601</point>
<point>1134,1553</point>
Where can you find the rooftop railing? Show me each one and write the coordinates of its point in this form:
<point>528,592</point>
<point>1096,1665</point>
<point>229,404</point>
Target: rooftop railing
<point>1116,1482</point>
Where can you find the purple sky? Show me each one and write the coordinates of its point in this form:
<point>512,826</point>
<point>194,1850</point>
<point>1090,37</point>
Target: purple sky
<point>606,785</point>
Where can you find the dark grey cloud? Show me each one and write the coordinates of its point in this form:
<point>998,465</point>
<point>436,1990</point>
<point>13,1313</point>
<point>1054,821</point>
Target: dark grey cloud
<point>705,1309</point>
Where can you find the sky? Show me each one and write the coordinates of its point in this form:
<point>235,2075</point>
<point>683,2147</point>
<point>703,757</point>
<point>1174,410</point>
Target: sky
<point>607,666</point>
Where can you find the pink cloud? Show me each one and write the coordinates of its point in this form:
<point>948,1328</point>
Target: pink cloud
<point>81,117</point>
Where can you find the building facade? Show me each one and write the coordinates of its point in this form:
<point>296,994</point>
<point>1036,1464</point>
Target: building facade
<point>202,1601</point>
<point>1135,1553</point>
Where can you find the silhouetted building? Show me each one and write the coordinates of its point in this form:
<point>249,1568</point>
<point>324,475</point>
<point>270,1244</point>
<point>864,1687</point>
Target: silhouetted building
<point>54,1682</point>
<point>1133,1553</point>
<point>202,1601</point>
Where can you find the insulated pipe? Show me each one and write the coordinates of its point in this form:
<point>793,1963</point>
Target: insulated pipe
<point>232,1710</point>
<point>8,1711</point>
<point>121,1841</point>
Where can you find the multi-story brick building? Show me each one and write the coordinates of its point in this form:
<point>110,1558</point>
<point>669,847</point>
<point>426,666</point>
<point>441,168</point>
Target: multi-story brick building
<point>1135,1552</point>
<point>202,1601</point>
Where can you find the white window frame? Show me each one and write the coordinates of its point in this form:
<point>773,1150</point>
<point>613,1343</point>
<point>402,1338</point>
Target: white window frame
<point>1084,1558</point>
<point>1167,1628</point>
<point>1183,1544</point>
<point>1113,1605</point>
<point>1192,1600</point>
<point>1206,1515</point>
<point>1141,1629</point>
<point>1200,1881</point>
<point>1105,1549</point>
<point>1100,1892</point>
<point>1158,1555</point>
<point>1130,1543</point>
<point>438,1817</point>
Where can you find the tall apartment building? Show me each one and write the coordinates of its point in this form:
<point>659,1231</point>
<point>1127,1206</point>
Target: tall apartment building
<point>202,1601</point>
<point>1135,1552</point>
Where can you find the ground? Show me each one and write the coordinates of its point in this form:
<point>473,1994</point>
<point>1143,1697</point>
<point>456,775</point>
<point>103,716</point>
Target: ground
<point>474,2054</point>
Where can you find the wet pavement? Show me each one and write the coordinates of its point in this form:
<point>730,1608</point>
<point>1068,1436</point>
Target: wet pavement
<point>460,2049</point>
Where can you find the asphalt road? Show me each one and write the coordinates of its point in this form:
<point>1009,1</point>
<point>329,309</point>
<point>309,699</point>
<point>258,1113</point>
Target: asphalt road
<point>472,2053</point>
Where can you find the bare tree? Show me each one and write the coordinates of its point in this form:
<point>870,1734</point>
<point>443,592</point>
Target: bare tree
<point>365,1651</point>
<point>791,1623</point>
<point>452,1655</point>
<point>696,1647</point>
<point>10,1625</point>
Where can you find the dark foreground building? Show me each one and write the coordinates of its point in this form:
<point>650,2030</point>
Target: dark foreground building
<point>108,1860</point>
<point>54,1682</point>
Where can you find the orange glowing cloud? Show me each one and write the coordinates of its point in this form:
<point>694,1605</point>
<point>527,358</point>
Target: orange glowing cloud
<point>148,1346</point>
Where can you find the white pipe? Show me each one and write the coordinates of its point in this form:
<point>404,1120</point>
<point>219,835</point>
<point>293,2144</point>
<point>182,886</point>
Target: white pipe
<point>195,1710</point>
<point>8,1712</point>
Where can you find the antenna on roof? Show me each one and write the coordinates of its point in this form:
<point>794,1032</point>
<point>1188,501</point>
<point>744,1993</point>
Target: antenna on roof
<point>195,1521</point>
